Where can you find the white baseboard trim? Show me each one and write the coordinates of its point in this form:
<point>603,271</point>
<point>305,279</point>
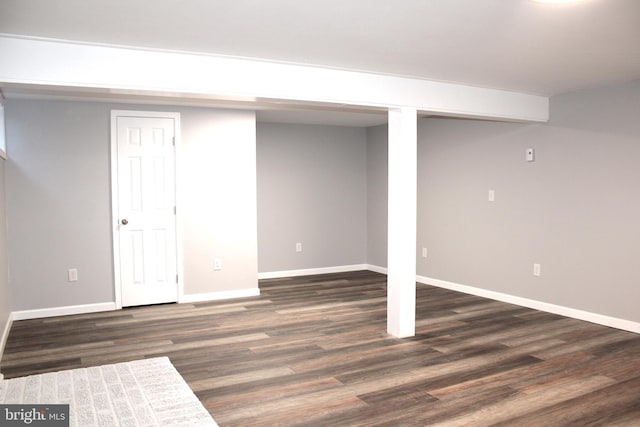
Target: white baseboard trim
<point>312,271</point>
<point>63,311</point>
<point>599,319</point>
<point>220,295</point>
<point>5,335</point>
<point>377,269</point>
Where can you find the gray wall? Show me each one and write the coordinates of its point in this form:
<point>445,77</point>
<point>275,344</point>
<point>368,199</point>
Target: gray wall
<point>377,195</point>
<point>575,210</point>
<point>58,203</point>
<point>5,294</point>
<point>311,189</point>
<point>58,198</point>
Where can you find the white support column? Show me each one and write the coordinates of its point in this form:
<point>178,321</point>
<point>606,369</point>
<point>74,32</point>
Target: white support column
<point>401,249</point>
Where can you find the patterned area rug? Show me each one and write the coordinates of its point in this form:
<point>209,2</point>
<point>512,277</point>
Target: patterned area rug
<point>147,392</point>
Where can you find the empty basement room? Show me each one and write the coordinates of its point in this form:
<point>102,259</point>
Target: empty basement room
<point>320,213</point>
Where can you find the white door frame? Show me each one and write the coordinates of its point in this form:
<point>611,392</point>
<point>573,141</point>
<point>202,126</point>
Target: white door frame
<point>114,198</point>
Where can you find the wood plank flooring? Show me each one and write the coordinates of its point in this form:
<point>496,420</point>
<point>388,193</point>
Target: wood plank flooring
<point>313,351</point>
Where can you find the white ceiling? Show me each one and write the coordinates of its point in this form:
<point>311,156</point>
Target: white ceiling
<point>515,45</point>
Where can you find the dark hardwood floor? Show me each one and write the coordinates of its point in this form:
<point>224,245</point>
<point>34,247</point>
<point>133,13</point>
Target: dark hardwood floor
<point>313,351</point>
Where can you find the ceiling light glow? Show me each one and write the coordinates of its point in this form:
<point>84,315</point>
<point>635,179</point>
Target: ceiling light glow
<point>556,1</point>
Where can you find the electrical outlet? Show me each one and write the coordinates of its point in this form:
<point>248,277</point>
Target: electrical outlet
<point>217,264</point>
<point>72,275</point>
<point>530,155</point>
<point>492,195</point>
<point>298,247</point>
<point>424,252</point>
<point>536,270</point>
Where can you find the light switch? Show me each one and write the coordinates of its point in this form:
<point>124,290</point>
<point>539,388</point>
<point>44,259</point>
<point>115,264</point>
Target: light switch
<point>536,270</point>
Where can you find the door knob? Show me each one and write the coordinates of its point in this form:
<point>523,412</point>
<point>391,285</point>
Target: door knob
<point>125,222</point>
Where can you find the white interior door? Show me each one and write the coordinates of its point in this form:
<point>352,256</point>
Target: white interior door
<point>145,194</point>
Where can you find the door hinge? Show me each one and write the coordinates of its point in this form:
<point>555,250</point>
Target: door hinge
<point>174,140</point>
<point>175,210</point>
<point>176,278</point>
